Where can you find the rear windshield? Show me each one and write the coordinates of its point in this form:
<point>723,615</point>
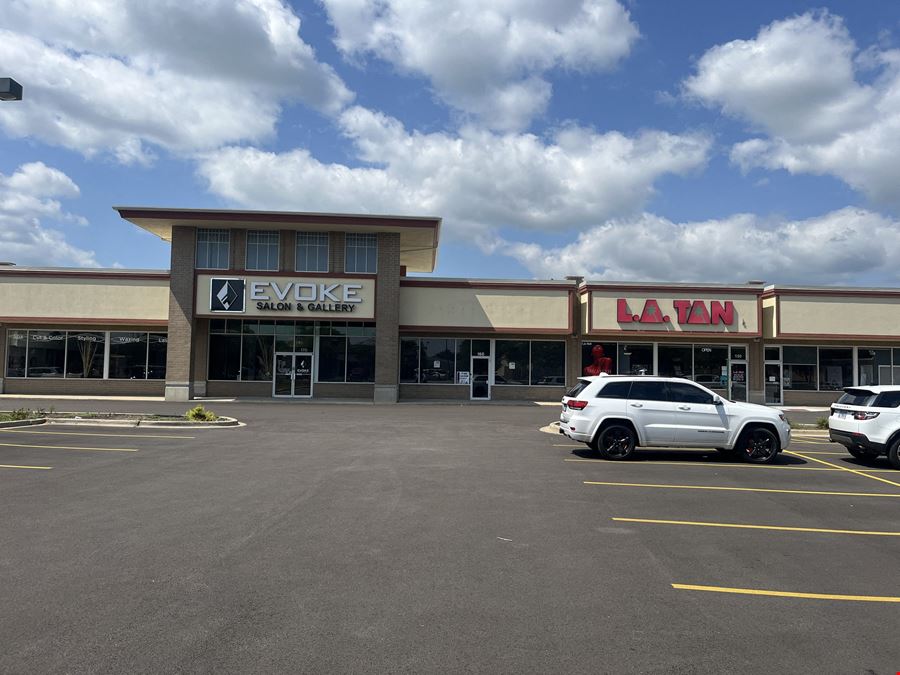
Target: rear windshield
<point>577,389</point>
<point>859,397</point>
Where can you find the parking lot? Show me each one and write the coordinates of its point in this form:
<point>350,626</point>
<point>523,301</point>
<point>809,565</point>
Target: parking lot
<point>426,538</point>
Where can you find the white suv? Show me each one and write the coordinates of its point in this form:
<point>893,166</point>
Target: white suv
<point>614,414</point>
<point>866,420</point>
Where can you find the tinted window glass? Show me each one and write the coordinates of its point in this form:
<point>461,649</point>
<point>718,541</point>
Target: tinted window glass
<point>648,391</point>
<point>857,397</point>
<point>889,399</point>
<point>615,390</point>
<point>577,389</point>
<point>686,393</point>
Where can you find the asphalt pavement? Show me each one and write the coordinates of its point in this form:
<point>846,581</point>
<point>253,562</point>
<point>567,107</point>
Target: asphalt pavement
<point>434,538</point>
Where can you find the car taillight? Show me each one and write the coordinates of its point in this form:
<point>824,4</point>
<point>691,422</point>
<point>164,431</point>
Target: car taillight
<point>865,415</point>
<point>575,404</point>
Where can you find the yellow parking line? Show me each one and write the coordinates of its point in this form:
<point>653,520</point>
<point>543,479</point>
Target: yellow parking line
<point>743,489</point>
<point>85,433</point>
<point>741,526</point>
<point>653,462</point>
<point>808,452</point>
<point>66,447</point>
<point>16,466</point>
<point>787,594</point>
<point>569,445</point>
<point>844,468</point>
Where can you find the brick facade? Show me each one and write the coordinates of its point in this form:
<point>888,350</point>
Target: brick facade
<point>387,319</point>
<point>180,353</point>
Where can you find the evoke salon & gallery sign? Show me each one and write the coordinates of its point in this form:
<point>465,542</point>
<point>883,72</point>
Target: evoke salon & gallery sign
<point>287,296</point>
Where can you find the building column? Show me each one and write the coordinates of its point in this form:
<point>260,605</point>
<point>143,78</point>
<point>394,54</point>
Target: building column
<point>756,387</point>
<point>387,319</point>
<point>2,355</point>
<point>201,356</point>
<point>180,353</point>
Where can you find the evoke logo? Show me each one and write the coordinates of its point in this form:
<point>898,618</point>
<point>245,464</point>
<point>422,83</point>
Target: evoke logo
<point>226,295</point>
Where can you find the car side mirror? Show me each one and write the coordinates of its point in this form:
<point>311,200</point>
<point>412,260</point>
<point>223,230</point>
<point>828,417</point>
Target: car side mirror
<point>717,400</point>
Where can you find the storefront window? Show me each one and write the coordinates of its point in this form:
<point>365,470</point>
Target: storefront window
<point>835,368</point>
<point>711,366</point>
<point>437,362</point>
<point>800,368</point>
<point>773,353</point>
<point>224,356</point>
<point>548,363</point>
<point>16,351</point>
<point>598,357</point>
<point>360,359</point>
<point>463,357</point>
<point>409,360</point>
<point>46,353</point>
<point>675,361</point>
<point>127,356</point>
<point>511,362</point>
<point>635,359</point>
<point>257,357</point>
<point>874,366</point>
<point>156,356</point>
<point>332,358</point>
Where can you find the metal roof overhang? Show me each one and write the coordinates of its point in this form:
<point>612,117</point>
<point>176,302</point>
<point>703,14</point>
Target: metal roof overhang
<point>419,236</point>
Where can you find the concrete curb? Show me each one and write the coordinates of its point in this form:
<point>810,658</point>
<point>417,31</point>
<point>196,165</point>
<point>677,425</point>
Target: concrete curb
<point>22,423</point>
<point>131,421</point>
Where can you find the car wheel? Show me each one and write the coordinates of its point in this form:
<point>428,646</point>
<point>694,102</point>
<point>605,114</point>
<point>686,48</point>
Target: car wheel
<point>758,446</point>
<point>863,455</point>
<point>616,442</point>
<point>894,454</point>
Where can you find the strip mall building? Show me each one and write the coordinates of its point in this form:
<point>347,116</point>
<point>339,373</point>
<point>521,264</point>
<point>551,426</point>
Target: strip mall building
<point>324,306</point>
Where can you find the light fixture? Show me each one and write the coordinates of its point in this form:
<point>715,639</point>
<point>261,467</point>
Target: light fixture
<point>10,90</point>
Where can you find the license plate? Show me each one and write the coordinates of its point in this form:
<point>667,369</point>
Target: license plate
<point>843,415</point>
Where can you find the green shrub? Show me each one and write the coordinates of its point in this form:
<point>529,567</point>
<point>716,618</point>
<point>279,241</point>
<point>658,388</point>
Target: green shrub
<point>201,414</point>
<point>22,414</point>
<point>822,423</point>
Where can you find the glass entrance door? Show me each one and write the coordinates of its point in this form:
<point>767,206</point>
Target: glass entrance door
<point>293,375</point>
<point>738,381</point>
<point>773,383</point>
<point>481,383</point>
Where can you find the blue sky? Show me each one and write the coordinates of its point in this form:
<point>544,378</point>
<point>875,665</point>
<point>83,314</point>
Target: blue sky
<point>689,141</point>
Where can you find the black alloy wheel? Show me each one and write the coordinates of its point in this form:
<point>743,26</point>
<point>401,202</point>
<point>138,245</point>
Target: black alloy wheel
<point>894,454</point>
<point>616,442</point>
<point>759,446</point>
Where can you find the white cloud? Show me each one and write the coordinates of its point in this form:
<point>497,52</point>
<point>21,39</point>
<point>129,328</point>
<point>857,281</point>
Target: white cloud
<point>841,247</point>
<point>124,76</point>
<point>486,59</point>
<point>26,201</point>
<point>476,181</point>
<point>824,106</point>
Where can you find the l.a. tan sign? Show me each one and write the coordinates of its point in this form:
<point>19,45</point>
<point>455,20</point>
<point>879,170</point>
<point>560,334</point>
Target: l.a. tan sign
<point>286,297</point>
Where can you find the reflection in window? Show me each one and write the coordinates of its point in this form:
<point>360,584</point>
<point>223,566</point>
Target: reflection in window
<point>835,368</point>
<point>675,361</point>
<point>212,249</point>
<point>409,360</point>
<point>438,357</point>
<point>874,366</point>
<point>360,359</point>
<point>800,368</point>
<point>635,359</point>
<point>16,351</point>
<point>548,363</point>
<point>711,366</point>
<point>224,356</point>
<point>127,356</point>
<point>360,253</point>
<point>332,358</point>
<point>257,356</point>
<point>46,353</point>
<point>156,356</point>
<point>311,252</point>
<point>511,361</point>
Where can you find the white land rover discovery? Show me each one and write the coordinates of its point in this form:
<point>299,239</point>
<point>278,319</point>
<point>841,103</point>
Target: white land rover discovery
<point>614,414</point>
<point>866,421</point>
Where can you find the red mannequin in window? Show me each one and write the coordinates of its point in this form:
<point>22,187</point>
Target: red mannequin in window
<point>601,364</point>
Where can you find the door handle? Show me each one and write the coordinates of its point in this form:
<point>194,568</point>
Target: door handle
<point>684,407</point>
<point>637,405</point>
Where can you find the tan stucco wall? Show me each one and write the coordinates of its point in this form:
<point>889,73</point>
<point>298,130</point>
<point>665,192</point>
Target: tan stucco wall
<point>822,316</point>
<point>485,308</point>
<point>117,300</point>
<point>769,317</point>
<point>604,313</point>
